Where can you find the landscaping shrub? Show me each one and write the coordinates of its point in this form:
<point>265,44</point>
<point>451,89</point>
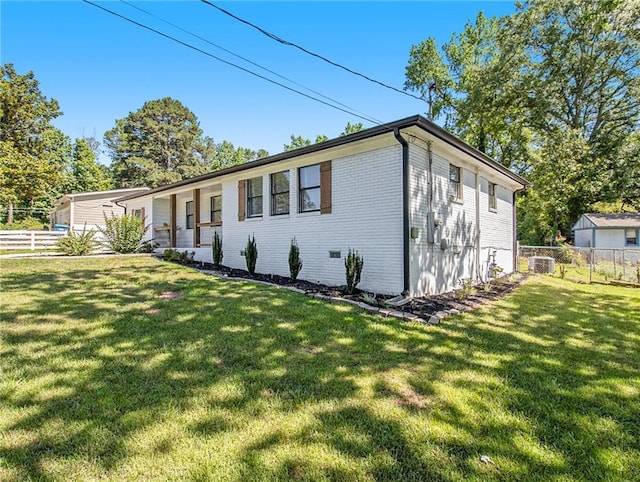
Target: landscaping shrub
<point>216,248</point>
<point>123,234</point>
<point>353,264</point>
<point>184,257</point>
<point>295,263</point>
<point>78,244</point>
<point>27,224</point>
<point>251,255</point>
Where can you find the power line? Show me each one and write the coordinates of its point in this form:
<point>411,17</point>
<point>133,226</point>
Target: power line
<point>188,32</point>
<point>292,44</point>
<point>208,54</point>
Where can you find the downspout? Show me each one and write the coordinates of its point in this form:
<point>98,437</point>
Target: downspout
<point>478,247</point>
<point>405,209</point>
<point>120,205</point>
<point>514,230</point>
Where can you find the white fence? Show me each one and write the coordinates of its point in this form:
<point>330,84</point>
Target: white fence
<point>29,240</point>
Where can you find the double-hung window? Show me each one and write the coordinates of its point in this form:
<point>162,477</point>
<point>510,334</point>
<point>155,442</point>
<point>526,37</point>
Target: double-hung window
<point>280,193</point>
<point>309,188</point>
<point>189,213</point>
<point>216,209</point>
<point>455,186</point>
<point>254,197</point>
<point>493,197</point>
<point>631,236</point>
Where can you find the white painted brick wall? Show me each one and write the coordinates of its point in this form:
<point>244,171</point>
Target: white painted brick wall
<point>434,270</point>
<point>366,214</point>
<point>496,233</point>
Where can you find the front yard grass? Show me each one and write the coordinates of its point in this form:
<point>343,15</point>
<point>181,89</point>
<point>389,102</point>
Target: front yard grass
<point>126,368</point>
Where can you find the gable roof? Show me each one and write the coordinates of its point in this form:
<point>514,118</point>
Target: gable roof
<point>414,121</point>
<point>114,194</point>
<point>620,220</point>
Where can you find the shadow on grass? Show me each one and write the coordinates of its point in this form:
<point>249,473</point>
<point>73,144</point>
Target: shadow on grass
<point>540,384</point>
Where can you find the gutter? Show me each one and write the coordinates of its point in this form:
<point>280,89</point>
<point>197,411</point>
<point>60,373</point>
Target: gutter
<point>417,121</point>
<point>514,229</point>
<point>405,209</point>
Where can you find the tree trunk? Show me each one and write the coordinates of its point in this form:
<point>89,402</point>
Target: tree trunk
<point>10,213</point>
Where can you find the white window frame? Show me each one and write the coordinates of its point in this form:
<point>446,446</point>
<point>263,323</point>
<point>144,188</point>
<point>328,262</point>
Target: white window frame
<point>455,187</point>
<point>251,214</point>
<point>492,193</point>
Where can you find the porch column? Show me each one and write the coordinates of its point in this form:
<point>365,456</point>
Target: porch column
<point>196,223</point>
<point>172,215</point>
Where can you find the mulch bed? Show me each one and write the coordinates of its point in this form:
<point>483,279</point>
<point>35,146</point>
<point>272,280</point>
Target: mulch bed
<point>423,308</point>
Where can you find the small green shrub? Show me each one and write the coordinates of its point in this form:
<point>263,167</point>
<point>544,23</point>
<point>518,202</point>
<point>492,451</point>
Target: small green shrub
<point>123,234</point>
<point>467,288</point>
<point>216,251</point>
<point>147,247</point>
<point>251,255</point>
<point>29,223</point>
<point>184,257</point>
<point>353,264</point>
<point>78,244</point>
<point>370,299</point>
<point>295,263</point>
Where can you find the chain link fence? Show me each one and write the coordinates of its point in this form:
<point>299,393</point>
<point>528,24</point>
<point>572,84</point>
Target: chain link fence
<point>582,264</point>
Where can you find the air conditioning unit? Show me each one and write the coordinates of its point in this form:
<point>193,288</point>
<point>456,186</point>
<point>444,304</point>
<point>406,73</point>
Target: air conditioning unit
<point>542,264</point>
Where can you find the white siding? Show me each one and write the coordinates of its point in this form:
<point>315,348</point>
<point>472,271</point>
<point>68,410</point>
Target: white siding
<point>184,236</point>
<point>610,238</point>
<point>146,204</point>
<point>583,238</point>
<point>92,212</point>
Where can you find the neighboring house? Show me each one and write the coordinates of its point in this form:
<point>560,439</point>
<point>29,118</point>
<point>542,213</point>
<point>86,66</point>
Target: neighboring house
<point>423,208</point>
<point>607,231</point>
<point>74,210</point>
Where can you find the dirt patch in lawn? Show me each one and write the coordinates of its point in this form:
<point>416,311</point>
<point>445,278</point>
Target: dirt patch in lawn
<point>170,295</point>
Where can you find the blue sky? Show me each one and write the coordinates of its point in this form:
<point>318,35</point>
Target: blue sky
<point>100,68</point>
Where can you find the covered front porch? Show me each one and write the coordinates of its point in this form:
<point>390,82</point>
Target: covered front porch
<point>187,219</point>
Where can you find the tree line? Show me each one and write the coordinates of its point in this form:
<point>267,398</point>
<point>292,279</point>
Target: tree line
<point>160,143</point>
<point>552,92</point>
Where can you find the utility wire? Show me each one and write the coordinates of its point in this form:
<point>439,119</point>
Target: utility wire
<point>291,44</point>
<point>208,54</point>
<point>241,57</point>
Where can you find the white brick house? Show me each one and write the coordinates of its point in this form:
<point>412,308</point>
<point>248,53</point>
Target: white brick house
<point>423,208</point>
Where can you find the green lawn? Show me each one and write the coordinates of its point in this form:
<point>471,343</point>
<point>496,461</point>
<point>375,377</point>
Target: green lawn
<point>126,368</point>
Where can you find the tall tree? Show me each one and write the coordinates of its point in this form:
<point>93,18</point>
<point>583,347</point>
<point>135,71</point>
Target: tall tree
<point>352,129</point>
<point>552,91</point>
<point>86,173</point>
<point>227,155</point>
<point>299,141</point>
<point>25,115</point>
<point>158,144</point>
